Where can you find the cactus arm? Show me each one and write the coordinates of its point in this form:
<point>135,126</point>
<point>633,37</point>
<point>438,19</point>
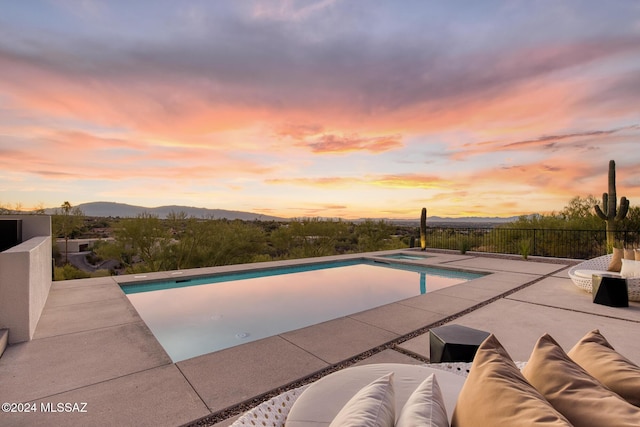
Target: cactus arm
<point>624,208</point>
<point>601,212</point>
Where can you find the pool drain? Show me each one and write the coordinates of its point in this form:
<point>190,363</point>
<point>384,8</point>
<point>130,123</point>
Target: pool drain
<point>242,335</point>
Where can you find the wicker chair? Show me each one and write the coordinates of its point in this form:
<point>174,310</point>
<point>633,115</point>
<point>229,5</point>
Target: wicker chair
<point>581,275</point>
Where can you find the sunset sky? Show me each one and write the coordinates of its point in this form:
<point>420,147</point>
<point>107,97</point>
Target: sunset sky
<point>352,108</point>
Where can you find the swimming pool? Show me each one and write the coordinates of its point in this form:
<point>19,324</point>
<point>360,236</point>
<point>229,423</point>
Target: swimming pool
<point>203,315</point>
<point>406,256</point>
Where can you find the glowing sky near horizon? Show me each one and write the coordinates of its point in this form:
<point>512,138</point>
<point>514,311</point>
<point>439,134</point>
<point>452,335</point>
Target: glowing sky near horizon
<point>329,108</point>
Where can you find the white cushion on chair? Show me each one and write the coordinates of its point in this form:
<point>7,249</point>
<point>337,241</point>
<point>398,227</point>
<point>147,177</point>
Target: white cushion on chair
<point>425,407</point>
<point>372,406</point>
<point>630,268</point>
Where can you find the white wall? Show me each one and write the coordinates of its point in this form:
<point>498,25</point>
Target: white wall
<point>74,244</point>
<point>25,278</point>
<point>33,225</point>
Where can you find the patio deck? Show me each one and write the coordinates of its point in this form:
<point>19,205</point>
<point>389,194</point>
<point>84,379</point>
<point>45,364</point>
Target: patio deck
<point>91,346</point>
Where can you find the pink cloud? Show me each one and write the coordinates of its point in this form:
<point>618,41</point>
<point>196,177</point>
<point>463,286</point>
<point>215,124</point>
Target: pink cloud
<point>299,131</point>
<point>409,181</point>
<point>315,182</point>
<point>180,100</point>
<point>337,144</point>
<point>549,176</point>
<point>387,181</point>
<point>69,155</point>
<point>547,142</point>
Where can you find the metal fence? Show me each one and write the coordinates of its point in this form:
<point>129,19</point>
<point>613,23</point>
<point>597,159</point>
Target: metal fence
<point>579,244</point>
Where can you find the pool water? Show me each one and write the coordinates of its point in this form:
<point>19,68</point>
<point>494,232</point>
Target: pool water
<point>191,318</point>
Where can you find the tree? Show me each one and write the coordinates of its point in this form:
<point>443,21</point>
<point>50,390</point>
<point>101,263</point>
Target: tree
<point>632,220</point>
<point>308,238</point>
<point>67,221</point>
<point>376,236</point>
<point>579,207</point>
<point>230,242</point>
<point>142,239</point>
<point>38,209</point>
<point>189,235</point>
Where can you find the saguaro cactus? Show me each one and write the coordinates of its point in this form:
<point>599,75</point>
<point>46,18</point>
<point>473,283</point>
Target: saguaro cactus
<point>609,211</point>
<point>423,229</point>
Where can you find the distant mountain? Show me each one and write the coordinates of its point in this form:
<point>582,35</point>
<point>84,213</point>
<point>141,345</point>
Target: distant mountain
<point>122,210</point>
<point>474,219</point>
<point>468,221</point>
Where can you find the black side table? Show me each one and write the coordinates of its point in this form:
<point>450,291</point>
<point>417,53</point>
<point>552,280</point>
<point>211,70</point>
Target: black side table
<point>454,343</point>
<point>609,290</point>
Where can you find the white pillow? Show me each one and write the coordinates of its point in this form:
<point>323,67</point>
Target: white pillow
<point>425,407</point>
<point>372,406</point>
<point>630,268</point>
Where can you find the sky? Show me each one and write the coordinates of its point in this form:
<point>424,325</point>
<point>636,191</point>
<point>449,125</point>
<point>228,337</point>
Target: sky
<point>328,108</point>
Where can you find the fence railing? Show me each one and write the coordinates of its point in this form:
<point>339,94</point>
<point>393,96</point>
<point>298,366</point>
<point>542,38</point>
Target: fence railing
<point>558,243</point>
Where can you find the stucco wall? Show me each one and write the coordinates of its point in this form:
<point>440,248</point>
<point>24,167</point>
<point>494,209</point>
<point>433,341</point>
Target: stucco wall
<point>25,279</point>
<point>74,245</point>
<point>33,225</point>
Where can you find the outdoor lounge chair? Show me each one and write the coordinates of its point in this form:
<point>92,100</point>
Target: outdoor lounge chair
<point>275,411</point>
<point>493,389</point>
<point>581,275</point>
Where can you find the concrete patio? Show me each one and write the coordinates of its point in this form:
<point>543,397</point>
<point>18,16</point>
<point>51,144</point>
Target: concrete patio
<point>91,346</point>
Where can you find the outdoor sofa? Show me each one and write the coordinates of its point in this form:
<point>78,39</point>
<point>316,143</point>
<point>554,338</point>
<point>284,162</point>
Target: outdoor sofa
<point>590,385</point>
<point>581,274</point>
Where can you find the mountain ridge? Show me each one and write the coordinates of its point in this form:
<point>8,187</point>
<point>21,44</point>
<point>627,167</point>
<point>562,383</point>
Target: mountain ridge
<point>124,210</point>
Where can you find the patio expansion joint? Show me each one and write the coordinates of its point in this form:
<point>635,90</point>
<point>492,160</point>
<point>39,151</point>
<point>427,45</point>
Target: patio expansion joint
<point>101,300</point>
<point>100,328</point>
<point>192,387</point>
<point>399,335</point>
<point>374,326</point>
<point>608,316</point>
<point>96,383</point>
<point>304,350</point>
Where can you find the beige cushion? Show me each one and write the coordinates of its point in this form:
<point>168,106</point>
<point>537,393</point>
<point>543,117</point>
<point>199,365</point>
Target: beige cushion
<point>372,406</point>
<point>425,407</point>
<point>496,394</point>
<point>616,260</point>
<point>630,268</point>
<point>594,353</point>
<point>573,392</point>
<point>629,254</point>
